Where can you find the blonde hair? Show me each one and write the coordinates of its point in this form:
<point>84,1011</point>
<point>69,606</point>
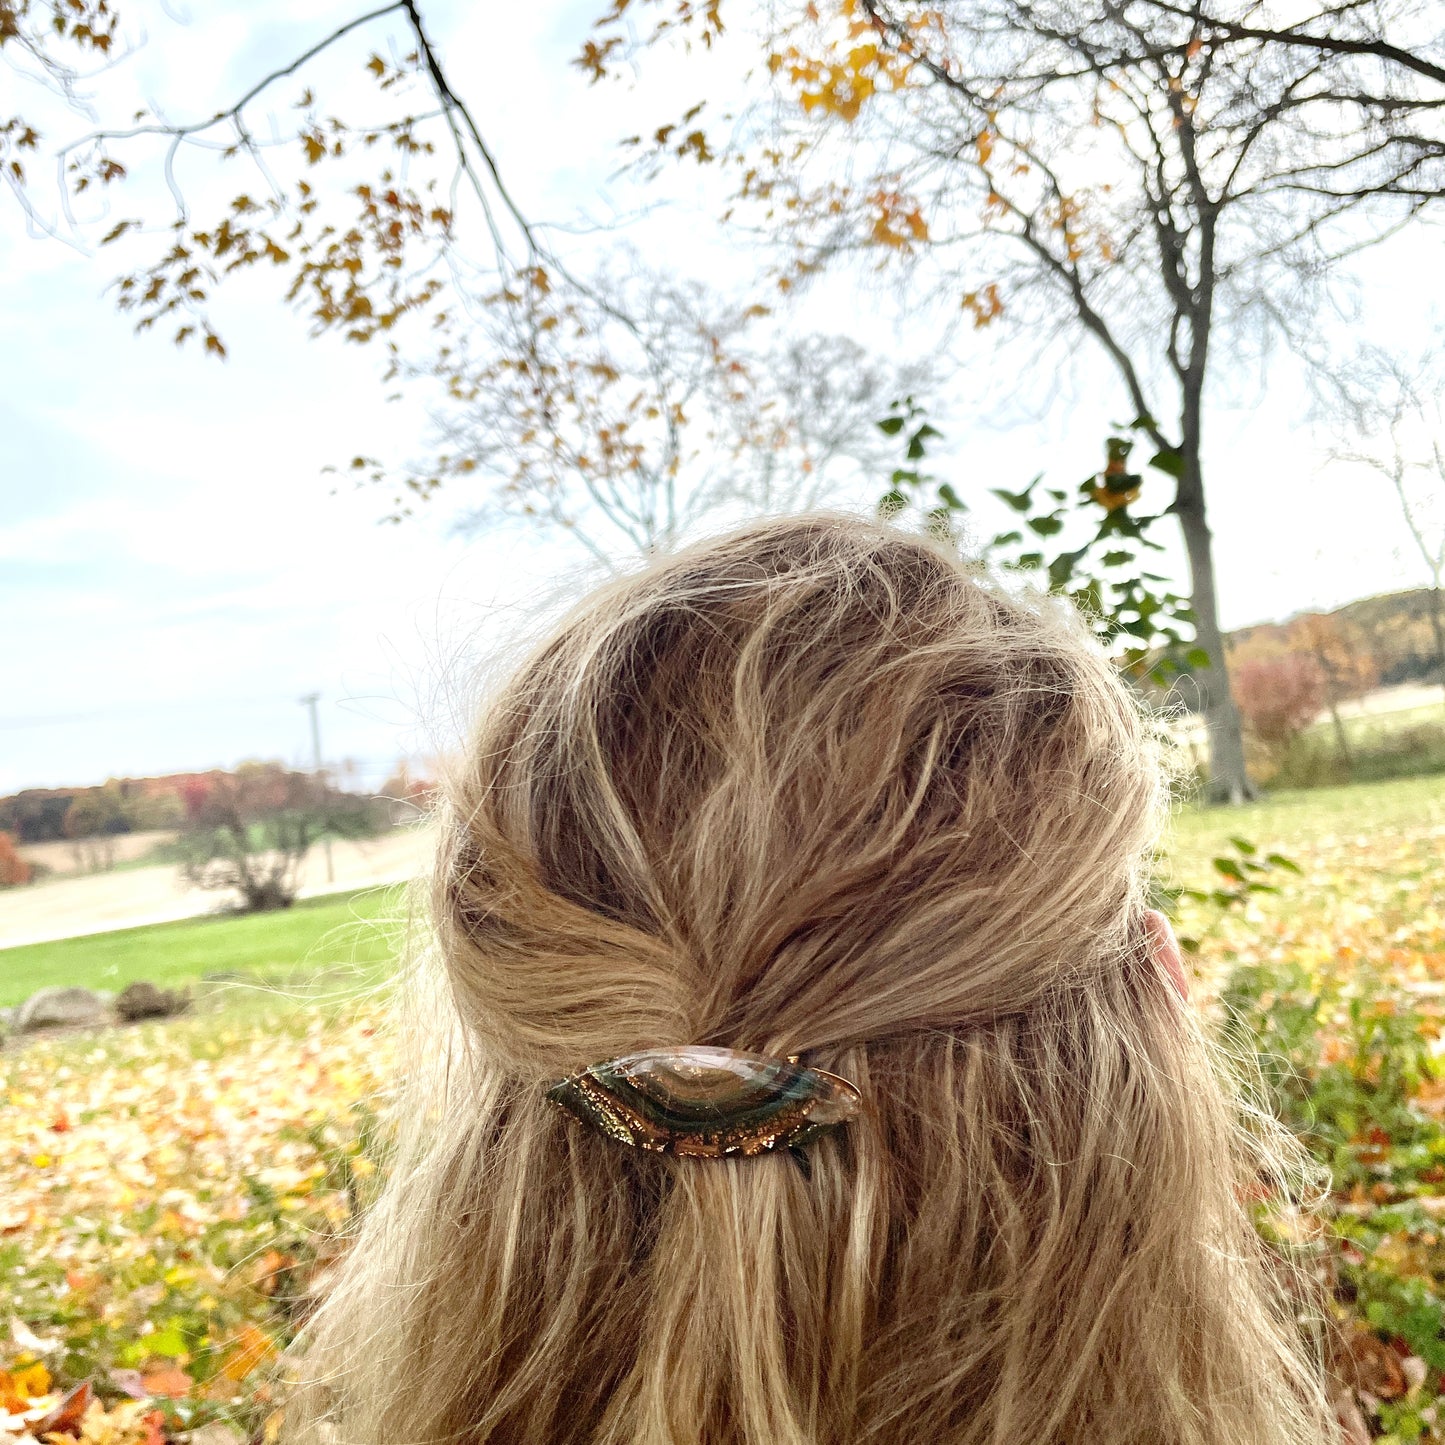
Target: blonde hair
<point>816,787</point>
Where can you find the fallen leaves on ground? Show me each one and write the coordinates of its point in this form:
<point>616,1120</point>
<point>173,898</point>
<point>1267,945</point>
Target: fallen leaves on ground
<point>1336,984</point>
<point>167,1195</point>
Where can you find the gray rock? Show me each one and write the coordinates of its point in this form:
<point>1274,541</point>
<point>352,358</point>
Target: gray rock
<point>143,1000</point>
<point>215,1433</point>
<point>59,1008</point>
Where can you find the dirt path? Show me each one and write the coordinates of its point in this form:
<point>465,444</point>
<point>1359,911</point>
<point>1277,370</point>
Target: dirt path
<point>70,907</point>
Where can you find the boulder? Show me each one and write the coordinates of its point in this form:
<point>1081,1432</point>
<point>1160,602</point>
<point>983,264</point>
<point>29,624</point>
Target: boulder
<point>60,1008</point>
<point>142,1000</point>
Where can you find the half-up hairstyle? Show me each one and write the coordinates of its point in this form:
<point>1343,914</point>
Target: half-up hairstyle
<point>816,787</point>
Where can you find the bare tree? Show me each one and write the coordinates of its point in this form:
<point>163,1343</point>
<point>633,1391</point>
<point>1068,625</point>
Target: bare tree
<point>249,831</point>
<point>629,410</point>
<point>1394,417</point>
<point>1157,177</point>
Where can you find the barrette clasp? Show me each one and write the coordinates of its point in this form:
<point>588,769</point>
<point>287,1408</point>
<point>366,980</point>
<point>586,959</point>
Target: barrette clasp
<point>707,1103</point>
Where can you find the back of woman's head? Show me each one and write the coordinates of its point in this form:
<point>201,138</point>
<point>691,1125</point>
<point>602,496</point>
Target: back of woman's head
<point>815,789</point>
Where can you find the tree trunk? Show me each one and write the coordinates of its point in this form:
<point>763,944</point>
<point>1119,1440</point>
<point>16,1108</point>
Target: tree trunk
<point>1438,625</point>
<point>1342,741</point>
<point>1228,780</point>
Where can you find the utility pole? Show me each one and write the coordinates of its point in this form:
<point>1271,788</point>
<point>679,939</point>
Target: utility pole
<point>310,701</point>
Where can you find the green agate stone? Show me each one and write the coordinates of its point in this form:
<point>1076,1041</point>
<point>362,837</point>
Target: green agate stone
<point>707,1103</point>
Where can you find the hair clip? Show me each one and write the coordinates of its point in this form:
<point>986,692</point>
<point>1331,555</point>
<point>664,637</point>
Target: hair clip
<point>707,1103</point>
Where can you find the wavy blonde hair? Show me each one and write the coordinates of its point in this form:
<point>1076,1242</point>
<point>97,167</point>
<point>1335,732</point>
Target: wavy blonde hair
<point>816,787</point>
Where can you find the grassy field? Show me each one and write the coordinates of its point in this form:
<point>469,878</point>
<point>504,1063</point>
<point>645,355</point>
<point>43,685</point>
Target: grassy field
<point>1371,886</point>
<point>358,931</point>
<point>1307,817</point>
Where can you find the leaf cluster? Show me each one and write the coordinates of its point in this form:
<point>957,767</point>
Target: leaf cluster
<point>1134,611</point>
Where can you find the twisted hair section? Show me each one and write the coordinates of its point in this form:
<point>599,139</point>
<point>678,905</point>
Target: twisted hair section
<point>816,787</point>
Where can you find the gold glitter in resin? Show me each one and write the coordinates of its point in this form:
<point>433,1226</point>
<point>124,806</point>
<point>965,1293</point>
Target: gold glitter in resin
<point>707,1103</point>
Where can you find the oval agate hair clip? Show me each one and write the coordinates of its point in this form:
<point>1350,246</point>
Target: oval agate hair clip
<point>707,1103</point>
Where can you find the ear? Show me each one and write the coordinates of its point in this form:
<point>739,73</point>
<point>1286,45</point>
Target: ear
<point>1165,948</point>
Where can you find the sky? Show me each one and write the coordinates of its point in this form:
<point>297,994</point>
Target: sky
<point>177,570</point>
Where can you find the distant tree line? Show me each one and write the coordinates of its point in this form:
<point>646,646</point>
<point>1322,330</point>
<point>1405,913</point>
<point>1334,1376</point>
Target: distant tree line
<point>120,805</point>
<point>137,805</point>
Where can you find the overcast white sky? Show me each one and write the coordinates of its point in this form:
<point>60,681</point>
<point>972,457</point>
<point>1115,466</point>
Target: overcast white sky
<point>175,571</point>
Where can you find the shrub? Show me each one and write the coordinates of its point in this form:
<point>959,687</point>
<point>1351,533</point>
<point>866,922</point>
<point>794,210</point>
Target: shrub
<point>14,870</point>
<point>1279,696</point>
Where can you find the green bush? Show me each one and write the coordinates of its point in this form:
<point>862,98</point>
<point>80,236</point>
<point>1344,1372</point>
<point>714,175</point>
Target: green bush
<point>1350,1064</point>
<point>1313,760</point>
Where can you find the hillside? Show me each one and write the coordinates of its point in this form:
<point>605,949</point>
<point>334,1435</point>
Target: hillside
<point>1394,629</point>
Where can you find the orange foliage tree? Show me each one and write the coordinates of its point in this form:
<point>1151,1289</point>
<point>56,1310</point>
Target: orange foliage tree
<point>1346,670</point>
<point>1280,695</point>
<point>14,870</point>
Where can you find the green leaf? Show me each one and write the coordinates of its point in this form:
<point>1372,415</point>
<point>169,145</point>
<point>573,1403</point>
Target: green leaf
<point>1196,656</point>
<point>951,498</point>
<point>917,443</point>
<point>892,503</point>
<point>1046,526</point>
<point>1244,846</point>
<point>1019,501</point>
<point>169,1342</point>
<point>1061,571</point>
<point>1116,559</point>
<point>1278,860</point>
<point>1169,462</point>
<point>1229,868</point>
<point>891,425</point>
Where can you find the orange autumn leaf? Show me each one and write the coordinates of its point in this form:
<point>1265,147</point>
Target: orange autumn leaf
<point>31,1381</point>
<point>170,1382</point>
<point>984,306</point>
<point>269,1269</point>
<point>19,1387</point>
<point>1111,501</point>
<point>65,1418</point>
<point>250,1347</point>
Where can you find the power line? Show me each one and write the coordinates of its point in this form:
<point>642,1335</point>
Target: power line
<point>310,701</point>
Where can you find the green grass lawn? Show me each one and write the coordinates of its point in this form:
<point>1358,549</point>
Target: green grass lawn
<point>1302,817</point>
<point>360,932</point>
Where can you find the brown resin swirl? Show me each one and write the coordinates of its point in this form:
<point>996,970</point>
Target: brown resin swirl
<point>705,1102</point>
